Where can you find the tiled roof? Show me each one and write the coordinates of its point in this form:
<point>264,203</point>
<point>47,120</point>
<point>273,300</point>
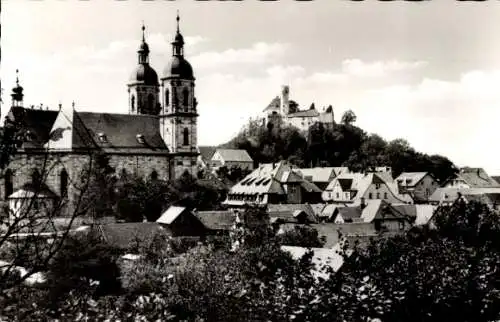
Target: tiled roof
<point>318,174</point>
<point>170,215</point>
<point>234,155</point>
<point>216,220</point>
<point>477,178</point>
<point>289,211</point>
<point>410,179</point>
<point>274,105</point>
<point>349,213</point>
<point>124,235</point>
<point>424,214</point>
<point>304,113</point>
<point>206,152</point>
<point>38,123</point>
<point>451,194</point>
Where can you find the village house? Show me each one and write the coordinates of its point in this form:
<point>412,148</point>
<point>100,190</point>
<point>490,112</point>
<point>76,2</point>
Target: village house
<point>471,178</point>
<point>419,185</point>
<point>321,176</point>
<point>273,183</point>
<point>231,158</point>
<point>352,187</point>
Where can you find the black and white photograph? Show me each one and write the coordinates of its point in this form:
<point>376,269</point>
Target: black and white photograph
<point>249,161</point>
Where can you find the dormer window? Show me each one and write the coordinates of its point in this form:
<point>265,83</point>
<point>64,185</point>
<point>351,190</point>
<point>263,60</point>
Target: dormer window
<point>140,138</point>
<point>102,137</point>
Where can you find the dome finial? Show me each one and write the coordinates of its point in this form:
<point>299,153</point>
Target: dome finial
<point>17,77</point>
<point>178,18</point>
<point>143,29</point>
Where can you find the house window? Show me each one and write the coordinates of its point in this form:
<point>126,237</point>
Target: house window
<point>427,192</point>
<point>401,225</point>
<point>338,195</point>
<point>185,97</point>
<point>385,195</point>
<point>167,101</point>
<point>370,196</point>
<point>132,103</point>
<point>186,136</point>
<point>378,195</point>
<point>377,185</point>
<point>154,175</point>
<point>63,183</point>
<point>9,187</point>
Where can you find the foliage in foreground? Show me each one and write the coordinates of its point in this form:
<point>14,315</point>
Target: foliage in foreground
<point>447,274</point>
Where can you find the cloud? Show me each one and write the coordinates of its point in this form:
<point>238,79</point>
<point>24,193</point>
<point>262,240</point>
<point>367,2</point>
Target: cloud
<point>357,67</point>
<point>258,53</point>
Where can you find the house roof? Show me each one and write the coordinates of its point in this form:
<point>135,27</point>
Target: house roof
<point>30,190</point>
<point>289,211</point>
<point>322,258</point>
<point>234,155</point>
<point>206,152</point>
<point>216,220</point>
<point>496,178</point>
<point>170,215</point>
<point>269,179</point>
<point>476,178</point>
<point>424,214</point>
<point>304,113</point>
<point>123,235</point>
<point>410,179</point>
<point>451,194</point>
<point>318,174</point>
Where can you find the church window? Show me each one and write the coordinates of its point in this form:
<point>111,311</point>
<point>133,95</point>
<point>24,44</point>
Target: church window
<point>186,137</point>
<point>151,103</point>
<point>132,103</point>
<point>154,175</point>
<point>185,97</point>
<point>167,100</point>
<point>9,186</point>
<point>63,183</point>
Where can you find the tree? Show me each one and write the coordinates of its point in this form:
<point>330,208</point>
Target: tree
<point>348,118</point>
<point>302,237</point>
<point>312,107</point>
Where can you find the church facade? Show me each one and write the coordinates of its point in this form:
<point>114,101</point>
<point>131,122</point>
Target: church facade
<point>156,139</point>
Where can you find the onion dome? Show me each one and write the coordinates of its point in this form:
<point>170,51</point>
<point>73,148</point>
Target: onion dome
<point>178,66</point>
<point>144,73</point>
<point>17,91</point>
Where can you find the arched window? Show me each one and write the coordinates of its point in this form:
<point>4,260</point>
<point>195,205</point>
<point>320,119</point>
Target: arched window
<point>151,103</point>
<point>154,175</point>
<point>186,136</point>
<point>132,103</point>
<point>8,183</point>
<point>185,97</point>
<point>167,98</point>
<point>63,183</point>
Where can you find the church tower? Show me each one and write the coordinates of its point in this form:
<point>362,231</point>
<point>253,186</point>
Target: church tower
<point>143,86</point>
<point>178,118</point>
<point>17,93</point>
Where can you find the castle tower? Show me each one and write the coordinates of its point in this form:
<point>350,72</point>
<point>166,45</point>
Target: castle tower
<point>17,93</point>
<point>178,118</point>
<point>143,86</point>
<point>285,100</point>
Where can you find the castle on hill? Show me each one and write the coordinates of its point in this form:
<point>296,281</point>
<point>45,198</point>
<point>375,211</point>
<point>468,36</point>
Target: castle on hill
<point>283,111</point>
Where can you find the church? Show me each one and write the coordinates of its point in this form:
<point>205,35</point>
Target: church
<point>156,139</point>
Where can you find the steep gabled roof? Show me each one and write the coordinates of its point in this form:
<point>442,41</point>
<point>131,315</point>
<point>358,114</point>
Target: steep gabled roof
<point>289,211</point>
<point>170,215</point>
<point>206,152</point>
<point>234,155</point>
<point>410,179</point>
<point>476,178</point>
<point>216,220</point>
<point>274,104</point>
<point>318,174</point>
<point>38,123</point>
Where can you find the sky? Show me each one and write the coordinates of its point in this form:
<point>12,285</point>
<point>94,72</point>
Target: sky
<point>427,72</point>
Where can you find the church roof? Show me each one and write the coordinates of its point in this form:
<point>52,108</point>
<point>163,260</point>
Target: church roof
<point>38,123</point>
<point>144,74</point>
<point>115,133</point>
<point>120,132</point>
<point>305,113</point>
<point>178,67</point>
